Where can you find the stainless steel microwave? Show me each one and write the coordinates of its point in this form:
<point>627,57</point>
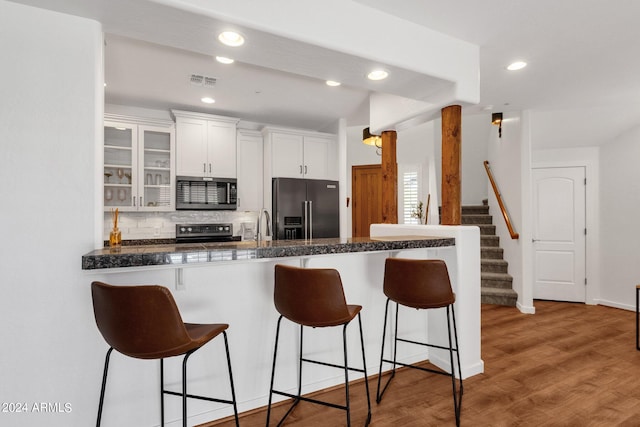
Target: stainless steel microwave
<point>203,193</point>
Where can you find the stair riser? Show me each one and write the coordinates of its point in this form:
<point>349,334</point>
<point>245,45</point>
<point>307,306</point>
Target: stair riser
<point>493,268</point>
<point>477,219</point>
<point>494,283</point>
<point>499,300</point>
<point>475,210</point>
<point>491,253</point>
<point>487,230</point>
<point>489,241</point>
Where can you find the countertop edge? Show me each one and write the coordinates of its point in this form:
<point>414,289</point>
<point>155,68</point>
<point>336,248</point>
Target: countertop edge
<point>184,255</point>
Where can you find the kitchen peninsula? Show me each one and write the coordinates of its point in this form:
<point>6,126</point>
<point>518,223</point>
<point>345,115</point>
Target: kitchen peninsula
<point>232,282</point>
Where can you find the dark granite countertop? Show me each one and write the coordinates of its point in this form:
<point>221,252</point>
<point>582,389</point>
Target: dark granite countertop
<point>193,253</point>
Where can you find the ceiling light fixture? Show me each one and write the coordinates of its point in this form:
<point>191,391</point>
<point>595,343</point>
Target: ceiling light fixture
<point>496,119</point>
<point>377,75</point>
<point>224,60</point>
<point>333,83</point>
<point>231,38</point>
<point>207,100</point>
<point>517,65</point>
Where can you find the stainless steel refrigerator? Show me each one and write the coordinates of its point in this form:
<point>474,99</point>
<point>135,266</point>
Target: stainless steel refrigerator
<point>305,208</point>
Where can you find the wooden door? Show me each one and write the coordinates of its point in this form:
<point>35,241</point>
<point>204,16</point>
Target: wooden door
<point>366,189</point>
<point>559,238</point>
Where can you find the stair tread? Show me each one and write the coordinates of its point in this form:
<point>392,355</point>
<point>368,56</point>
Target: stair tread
<point>493,261</point>
<point>487,290</point>
<point>497,276</point>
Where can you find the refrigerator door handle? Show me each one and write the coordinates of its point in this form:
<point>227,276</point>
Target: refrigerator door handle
<point>305,222</point>
<point>311,219</point>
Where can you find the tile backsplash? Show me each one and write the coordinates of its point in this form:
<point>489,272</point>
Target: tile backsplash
<point>162,225</point>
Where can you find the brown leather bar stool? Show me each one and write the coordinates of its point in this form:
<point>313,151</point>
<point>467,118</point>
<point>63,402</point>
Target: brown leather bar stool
<point>315,298</point>
<point>144,322</point>
<point>420,284</point>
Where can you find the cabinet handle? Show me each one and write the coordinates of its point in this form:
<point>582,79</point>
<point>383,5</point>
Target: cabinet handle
<point>133,200</point>
<point>305,169</point>
<point>141,201</point>
<point>204,168</point>
<point>300,169</point>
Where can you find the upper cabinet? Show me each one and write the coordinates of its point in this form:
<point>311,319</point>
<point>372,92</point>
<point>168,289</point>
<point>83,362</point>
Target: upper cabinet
<point>206,145</point>
<point>249,170</point>
<point>138,160</point>
<point>294,154</point>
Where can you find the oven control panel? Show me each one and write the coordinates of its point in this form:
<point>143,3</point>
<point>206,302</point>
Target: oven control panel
<point>203,230</point>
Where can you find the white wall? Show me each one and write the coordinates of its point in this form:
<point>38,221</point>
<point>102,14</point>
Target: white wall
<point>51,109</point>
<point>506,156</point>
<point>619,225</point>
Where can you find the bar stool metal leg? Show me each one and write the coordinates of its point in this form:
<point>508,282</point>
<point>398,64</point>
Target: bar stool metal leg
<point>104,386</point>
<point>161,392</point>
<point>346,374</point>
<point>457,398</point>
<point>364,364</point>
<point>298,397</point>
<point>382,359</point>
<point>638,317</point>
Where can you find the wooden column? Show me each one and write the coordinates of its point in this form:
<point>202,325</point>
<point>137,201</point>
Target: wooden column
<point>451,165</point>
<point>389,178</point>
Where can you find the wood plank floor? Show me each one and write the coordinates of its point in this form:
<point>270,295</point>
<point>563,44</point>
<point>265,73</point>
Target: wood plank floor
<point>567,365</point>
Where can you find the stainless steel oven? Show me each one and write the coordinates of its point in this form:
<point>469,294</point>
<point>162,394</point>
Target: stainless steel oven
<point>198,193</point>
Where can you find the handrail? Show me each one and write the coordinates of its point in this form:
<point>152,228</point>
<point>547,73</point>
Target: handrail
<point>503,209</point>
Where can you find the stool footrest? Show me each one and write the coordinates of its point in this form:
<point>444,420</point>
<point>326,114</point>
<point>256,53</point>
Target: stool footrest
<point>308,399</point>
<point>317,362</point>
<point>193,396</point>
<point>425,344</point>
<point>421,368</point>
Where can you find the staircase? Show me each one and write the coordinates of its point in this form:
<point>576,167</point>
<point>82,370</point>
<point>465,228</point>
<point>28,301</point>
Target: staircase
<point>496,283</point>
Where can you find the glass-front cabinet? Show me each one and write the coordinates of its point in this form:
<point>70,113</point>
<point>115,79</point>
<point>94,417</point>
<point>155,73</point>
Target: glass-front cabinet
<point>138,164</point>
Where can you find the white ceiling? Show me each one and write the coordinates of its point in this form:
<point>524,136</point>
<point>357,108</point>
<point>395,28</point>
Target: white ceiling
<point>582,57</point>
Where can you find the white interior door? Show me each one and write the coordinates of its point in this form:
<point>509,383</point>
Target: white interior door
<point>559,234</point>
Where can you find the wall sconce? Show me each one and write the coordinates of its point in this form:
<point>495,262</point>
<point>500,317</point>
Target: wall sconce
<point>373,140</point>
<point>496,119</point>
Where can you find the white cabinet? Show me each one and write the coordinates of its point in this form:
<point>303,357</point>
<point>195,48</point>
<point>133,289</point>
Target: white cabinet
<point>249,170</point>
<point>138,160</point>
<point>206,145</point>
<point>298,154</point>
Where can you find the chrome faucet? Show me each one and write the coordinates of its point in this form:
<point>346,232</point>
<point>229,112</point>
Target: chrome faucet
<point>259,225</point>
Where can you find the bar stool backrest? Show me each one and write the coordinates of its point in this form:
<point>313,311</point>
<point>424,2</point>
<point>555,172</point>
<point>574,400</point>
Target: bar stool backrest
<point>139,321</point>
<point>418,283</point>
<point>310,296</point>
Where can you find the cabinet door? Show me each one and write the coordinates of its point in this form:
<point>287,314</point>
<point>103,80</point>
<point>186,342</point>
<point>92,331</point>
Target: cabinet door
<point>120,161</point>
<point>155,180</point>
<point>250,178</point>
<point>316,157</point>
<point>221,150</point>
<point>287,155</point>
<point>191,153</point>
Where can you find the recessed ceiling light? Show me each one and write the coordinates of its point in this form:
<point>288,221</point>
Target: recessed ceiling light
<point>224,60</point>
<point>333,83</point>
<point>377,75</point>
<point>518,65</point>
<point>207,100</point>
<point>231,38</point>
